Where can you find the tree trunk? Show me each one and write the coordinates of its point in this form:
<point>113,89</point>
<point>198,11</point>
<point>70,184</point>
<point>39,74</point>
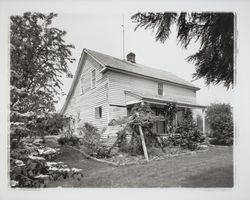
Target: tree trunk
<point>116,142</point>
<point>143,143</point>
<point>157,139</point>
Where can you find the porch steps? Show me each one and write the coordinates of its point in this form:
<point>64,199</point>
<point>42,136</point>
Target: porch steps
<point>109,136</point>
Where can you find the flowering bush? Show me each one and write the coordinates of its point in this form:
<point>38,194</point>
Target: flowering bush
<point>34,90</point>
<point>31,166</point>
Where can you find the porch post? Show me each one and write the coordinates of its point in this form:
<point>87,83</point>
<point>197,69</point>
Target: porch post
<point>203,121</point>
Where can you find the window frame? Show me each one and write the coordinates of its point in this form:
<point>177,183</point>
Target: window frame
<point>160,88</point>
<point>98,112</point>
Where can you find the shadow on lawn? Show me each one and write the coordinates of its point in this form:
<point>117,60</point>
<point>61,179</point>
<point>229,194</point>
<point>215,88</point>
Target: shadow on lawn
<point>221,177</point>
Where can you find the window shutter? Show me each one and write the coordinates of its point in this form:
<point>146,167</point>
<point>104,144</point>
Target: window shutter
<point>93,78</point>
<point>100,112</point>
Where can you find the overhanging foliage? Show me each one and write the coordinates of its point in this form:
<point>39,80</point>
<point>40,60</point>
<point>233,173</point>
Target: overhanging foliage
<point>214,60</point>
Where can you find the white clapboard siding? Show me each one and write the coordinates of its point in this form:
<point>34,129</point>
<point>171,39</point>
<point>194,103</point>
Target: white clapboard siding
<point>116,112</point>
<point>119,82</point>
<point>109,93</point>
<point>86,103</point>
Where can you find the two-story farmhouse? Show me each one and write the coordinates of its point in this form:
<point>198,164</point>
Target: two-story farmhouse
<point>105,88</point>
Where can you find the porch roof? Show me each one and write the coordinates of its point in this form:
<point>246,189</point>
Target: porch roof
<point>156,99</point>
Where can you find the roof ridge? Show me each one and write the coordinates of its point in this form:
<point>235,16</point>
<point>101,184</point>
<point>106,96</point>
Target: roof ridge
<point>169,76</point>
<point>128,62</point>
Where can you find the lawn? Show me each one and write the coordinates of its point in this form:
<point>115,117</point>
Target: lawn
<point>212,168</point>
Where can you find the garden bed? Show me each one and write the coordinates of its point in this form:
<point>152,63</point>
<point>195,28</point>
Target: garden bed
<point>121,158</point>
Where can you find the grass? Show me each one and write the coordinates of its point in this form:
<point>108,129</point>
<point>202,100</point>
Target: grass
<point>213,168</point>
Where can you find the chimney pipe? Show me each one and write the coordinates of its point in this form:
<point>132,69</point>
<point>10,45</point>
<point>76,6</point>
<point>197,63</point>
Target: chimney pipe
<point>131,57</point>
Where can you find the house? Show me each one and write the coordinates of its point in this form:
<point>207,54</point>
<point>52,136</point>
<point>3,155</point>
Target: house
<point>105,88</point>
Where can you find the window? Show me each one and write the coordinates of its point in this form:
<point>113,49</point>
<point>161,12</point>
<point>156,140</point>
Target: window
<point>160,127</point>
<point>98,112</point>
<point>81,83</point>
<point>93,79</point>
<point>160,89</point>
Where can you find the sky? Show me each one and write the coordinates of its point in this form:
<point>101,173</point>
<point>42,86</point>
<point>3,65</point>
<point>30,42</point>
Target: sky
<point>103,33</point>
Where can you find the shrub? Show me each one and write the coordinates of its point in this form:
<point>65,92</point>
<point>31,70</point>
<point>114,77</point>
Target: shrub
<point>102,152</point>
<point>170,110</point>
<point>199,122</point>
<point>187,135</point>
<point>219,117</point>
<point>90,128</point>
<point>134,147</point>
<point>31,165</point>
<point>71,140</point>
<point>91,140</point>
<point>91,136</point>
<point>54,123</point>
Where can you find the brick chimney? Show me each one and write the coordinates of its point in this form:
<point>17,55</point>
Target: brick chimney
<point>131,57</point>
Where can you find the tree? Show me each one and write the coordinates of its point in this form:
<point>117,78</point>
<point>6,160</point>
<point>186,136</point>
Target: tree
<point>214,60</point>
<point>220,120</point>
<point>38,58</point>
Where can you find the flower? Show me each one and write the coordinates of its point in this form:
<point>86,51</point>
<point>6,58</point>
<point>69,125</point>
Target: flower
<point>13,183</point>
<point>53,169</point>
<point>47,151</point>
<point>19,163</point>
<point>35,157</point>
<point>42,176</point>
<point>50,151</point>
<point>64,170</point>
<point>76,170</point>
<point>50,164</point>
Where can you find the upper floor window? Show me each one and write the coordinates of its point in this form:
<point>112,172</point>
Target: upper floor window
<point>93,78</point>
<point>81,83</point>
<point>160,89</point>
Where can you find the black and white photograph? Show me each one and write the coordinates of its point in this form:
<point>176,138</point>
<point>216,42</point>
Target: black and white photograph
<point>126,98</point>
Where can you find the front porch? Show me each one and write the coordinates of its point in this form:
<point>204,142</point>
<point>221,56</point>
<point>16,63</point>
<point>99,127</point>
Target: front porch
<point>158,103</point>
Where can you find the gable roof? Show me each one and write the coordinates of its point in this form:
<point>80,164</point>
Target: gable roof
<point>122,65</point>
<point>112,63</point>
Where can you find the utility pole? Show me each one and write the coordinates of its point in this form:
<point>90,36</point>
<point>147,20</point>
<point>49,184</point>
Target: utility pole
<point>123,37</point>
